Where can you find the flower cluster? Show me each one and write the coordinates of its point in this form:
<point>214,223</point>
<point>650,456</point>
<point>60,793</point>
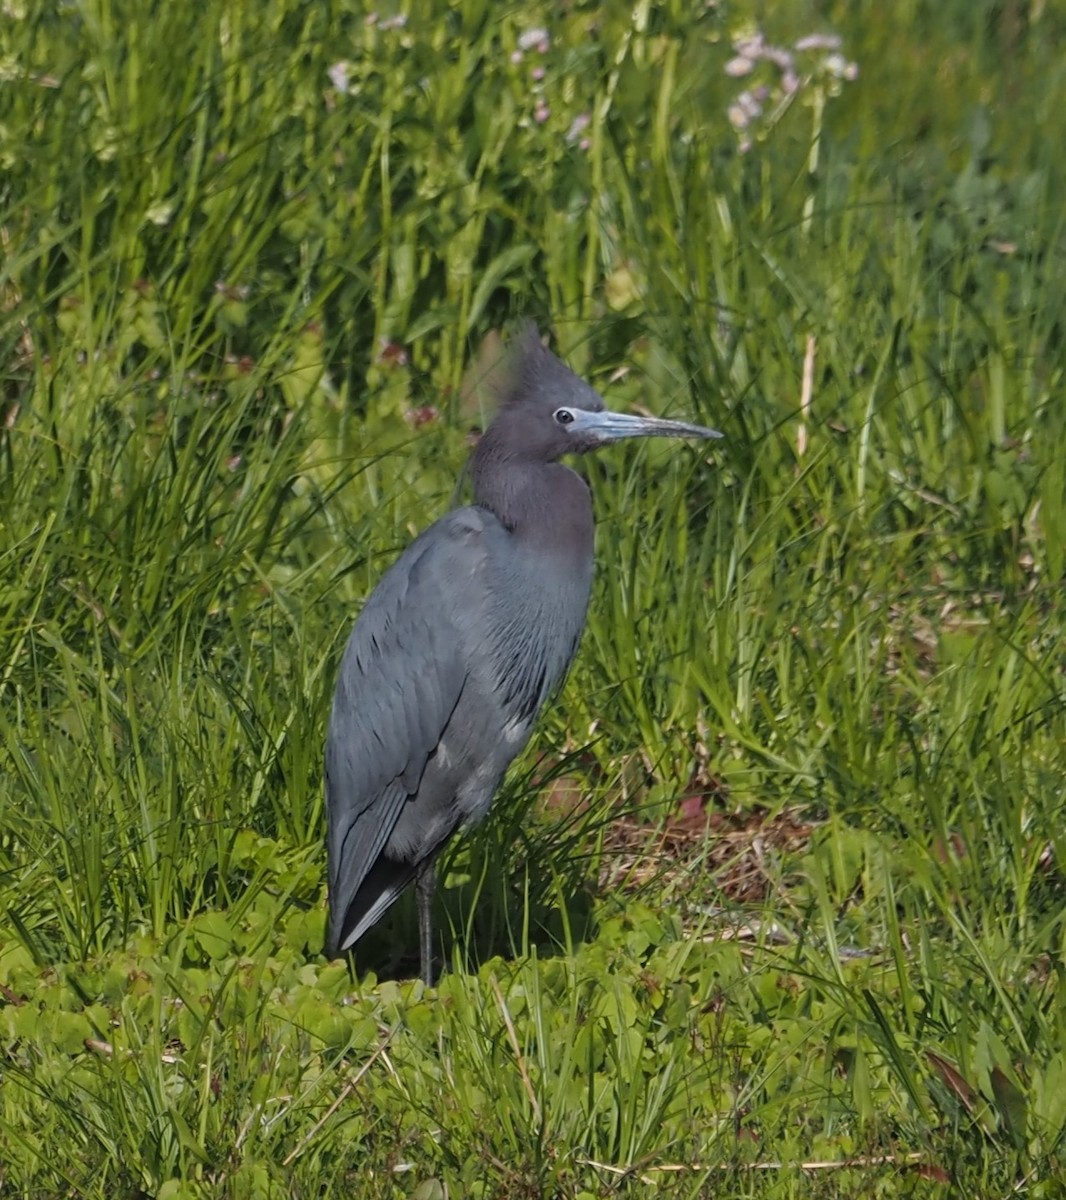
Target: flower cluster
<point>533,39</point>
<point>789,69</point>
<point>340,72</point>
<point>538,41</point>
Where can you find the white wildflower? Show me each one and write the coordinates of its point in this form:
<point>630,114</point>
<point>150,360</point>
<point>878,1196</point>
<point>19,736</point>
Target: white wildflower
<point>577,127</point>
<point>750,105</point>
<point>338,76</point>
<point>839,67</point>
<point>535,39</point>
<point>741,65</point>
<point>819,41</point>
<point>779,57</point>
<point>750,47</point>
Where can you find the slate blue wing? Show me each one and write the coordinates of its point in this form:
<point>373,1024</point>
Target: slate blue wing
<point>401,677</point>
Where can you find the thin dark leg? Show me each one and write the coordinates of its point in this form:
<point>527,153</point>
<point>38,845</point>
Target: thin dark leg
<point>425,886</point>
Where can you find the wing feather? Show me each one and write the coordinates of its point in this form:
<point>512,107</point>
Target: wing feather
<point>400,679</point>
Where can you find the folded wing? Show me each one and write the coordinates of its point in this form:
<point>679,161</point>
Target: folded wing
<point>401,678</point>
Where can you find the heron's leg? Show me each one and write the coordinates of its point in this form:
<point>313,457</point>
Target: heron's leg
<point>425,886</point>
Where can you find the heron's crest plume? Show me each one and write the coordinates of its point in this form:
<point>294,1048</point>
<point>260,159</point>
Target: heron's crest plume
<point>530,375</point>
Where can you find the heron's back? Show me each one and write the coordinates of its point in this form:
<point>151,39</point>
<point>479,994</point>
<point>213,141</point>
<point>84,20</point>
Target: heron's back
<point>455,652</point>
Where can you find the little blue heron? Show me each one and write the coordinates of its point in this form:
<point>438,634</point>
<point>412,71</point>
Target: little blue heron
<point>467,634</point>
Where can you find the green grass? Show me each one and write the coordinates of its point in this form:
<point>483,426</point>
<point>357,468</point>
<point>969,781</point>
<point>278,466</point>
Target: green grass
<point>836,640</point>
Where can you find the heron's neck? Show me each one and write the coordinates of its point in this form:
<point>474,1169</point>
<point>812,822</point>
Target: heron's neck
<point>544,505</point>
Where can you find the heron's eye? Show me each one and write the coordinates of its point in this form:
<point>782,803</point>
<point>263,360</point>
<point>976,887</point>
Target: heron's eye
<point>563,416</point>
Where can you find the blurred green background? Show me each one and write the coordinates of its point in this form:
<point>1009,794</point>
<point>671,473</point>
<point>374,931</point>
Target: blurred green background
<point>780,879</point>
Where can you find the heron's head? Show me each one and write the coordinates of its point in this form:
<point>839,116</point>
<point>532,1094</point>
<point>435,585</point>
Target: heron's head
<point>546,411</point>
